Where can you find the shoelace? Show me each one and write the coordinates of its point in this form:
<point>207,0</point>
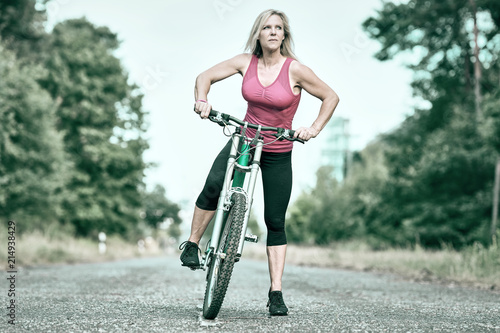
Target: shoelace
<point>276,298</point>
<point>186,243</point>
<point>183,245</point>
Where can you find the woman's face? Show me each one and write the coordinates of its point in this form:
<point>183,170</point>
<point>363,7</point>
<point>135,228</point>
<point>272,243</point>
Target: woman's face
<point>272,33</point>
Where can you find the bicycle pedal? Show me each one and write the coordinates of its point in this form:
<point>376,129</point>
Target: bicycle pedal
<point>251,238</point>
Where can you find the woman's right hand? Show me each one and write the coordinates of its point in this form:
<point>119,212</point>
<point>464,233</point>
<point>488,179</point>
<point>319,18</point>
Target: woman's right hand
<point>202,108</point>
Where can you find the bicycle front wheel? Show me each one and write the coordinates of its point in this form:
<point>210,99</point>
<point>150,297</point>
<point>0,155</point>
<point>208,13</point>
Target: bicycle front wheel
<point>221,269</point>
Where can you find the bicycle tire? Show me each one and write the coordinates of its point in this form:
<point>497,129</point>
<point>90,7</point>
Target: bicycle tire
<point>220,270</point>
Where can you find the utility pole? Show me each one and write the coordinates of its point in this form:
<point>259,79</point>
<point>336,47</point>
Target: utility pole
<point>477,65</point>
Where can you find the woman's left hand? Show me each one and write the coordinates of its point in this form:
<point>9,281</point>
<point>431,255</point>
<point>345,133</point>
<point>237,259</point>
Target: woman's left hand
<point>306,133</point>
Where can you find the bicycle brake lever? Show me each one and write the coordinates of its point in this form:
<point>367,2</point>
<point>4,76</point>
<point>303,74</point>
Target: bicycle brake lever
<point>217,117</point>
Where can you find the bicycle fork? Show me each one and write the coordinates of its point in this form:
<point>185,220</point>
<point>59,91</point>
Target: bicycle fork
<point>250,187</point>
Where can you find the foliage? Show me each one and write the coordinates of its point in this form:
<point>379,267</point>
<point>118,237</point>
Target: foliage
<point>445,195</point>
<point>21,26</point>
<point>429,181</point>
<point>332,212</point>
<point>32,160</point>
<point>158,209</point>
<point>439,36</point>
<point>439,164</point>
<point>102,121</point>
<point>298,220</point>
<point>490,128</point>
<point>72,127</point>
<point>319,216</point>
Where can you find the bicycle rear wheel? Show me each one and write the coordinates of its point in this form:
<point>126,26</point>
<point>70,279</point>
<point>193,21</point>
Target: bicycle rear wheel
<point>220,270</point>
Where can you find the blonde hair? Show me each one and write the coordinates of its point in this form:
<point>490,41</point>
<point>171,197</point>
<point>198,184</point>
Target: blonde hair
<point>253,44</point>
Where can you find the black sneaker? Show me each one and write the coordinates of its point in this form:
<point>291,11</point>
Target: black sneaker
<point>276,304</point>
<point>189,256</point>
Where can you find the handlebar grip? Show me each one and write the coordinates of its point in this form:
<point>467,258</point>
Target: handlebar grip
<point>213,113</point>
<point>292,133</point>
<point>287,136</point>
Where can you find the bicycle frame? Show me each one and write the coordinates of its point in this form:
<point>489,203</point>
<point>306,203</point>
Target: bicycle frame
<point>233,209</point>
<point>238,162</point>
<point>240,183</point>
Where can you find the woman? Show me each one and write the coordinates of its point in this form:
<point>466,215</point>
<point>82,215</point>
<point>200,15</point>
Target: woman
<point>272,83</point>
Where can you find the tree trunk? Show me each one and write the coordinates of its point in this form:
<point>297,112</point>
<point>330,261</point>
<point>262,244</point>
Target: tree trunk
<point>477,64</point>
<point>496,194</point>
<point>468,79</point>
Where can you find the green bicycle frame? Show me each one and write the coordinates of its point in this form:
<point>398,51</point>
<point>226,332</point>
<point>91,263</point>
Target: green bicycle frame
<point>239,176</point>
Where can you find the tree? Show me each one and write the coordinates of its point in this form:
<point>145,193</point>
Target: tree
<point>102,121</point>
<point>21,26</point>
<point>437,159</point>
<point>449,195</point>
<point>72,133</point>
<point>491,132</point>
<point>32,160</point>
<point>430,180</point>
<point>321,215</point>
<point>298,221</point>
<point>442,33</point>
<point>157,209</point>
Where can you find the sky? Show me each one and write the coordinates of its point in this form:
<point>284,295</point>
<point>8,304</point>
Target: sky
<point>166,44</point>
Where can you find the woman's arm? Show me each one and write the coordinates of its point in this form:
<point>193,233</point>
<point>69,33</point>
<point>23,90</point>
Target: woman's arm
<point>216,73</point>
<point>306,79</point>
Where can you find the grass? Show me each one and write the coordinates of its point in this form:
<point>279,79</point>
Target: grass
<point>475,265</point>
<point>37,248</point>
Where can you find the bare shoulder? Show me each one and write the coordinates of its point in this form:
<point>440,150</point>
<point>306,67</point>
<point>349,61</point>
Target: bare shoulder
<point>241,61</point>
<point>229,67</point>
<point>238,60</point>
<point>236,64</point>
<point>243,57</point>
<point>305,78</point>
<point>300,71</point>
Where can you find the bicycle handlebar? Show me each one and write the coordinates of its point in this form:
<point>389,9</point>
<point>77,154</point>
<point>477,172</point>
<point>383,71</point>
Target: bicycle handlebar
<point>224,119</point>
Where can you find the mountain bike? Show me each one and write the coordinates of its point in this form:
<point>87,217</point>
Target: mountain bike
<point>229,233</point>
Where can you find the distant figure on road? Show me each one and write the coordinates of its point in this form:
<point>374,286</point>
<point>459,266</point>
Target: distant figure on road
<point>273,80</point>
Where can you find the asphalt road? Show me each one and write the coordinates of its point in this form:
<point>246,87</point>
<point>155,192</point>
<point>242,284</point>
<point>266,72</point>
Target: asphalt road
<point>158,295</point>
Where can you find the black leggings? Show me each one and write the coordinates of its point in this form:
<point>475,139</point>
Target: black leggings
<point>277,184</point>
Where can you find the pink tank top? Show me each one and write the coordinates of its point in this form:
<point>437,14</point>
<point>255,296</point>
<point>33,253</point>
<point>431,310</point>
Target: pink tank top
<point>274,105</point>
